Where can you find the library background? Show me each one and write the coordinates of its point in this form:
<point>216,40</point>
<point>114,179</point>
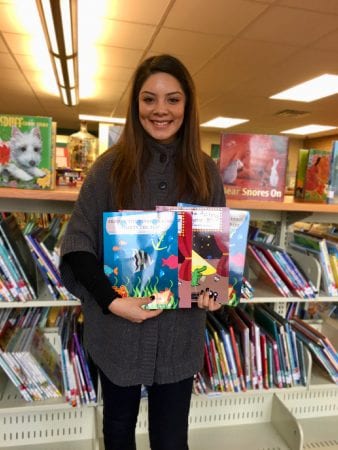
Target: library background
<point>270,373</point>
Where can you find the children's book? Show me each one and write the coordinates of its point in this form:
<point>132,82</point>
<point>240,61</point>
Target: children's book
<point>239,227</point>
<point>184,254</point>
<point>253,166</point>
<point>27,152</point>
<point>141,255</point>
<point>332,194</point>
<point>210,254</point>
<point>312,175</point>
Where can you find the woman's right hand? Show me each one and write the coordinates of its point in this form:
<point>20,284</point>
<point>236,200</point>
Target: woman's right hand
<point>130,308</point>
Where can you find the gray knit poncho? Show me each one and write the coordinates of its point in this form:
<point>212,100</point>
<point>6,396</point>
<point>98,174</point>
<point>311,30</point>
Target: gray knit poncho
<point>164,349</point>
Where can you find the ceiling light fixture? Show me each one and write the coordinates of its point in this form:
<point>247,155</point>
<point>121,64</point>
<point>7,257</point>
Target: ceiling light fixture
<point>59,22</point>
<point>223,122</point>
<point>308,129</point>
<point>105,119</point>
<point>311,90</point>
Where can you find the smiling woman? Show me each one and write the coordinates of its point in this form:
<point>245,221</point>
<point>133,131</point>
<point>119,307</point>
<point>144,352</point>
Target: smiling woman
<point>157,160</point>
<point>161,107</point>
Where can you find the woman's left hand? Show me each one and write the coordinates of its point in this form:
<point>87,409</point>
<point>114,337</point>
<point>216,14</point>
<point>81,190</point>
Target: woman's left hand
<point>208,300</point>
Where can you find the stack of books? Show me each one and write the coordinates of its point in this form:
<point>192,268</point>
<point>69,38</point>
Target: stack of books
<point>280,270</point>
<point>77,380</point>
<point>324,248</point>
<point>33,364</point>
<point>170,254</point>
<point>256,348</point>
<point>30,361</point>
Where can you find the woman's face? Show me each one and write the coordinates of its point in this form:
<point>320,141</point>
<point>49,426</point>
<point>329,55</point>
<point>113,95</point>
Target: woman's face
<point>161,106</point>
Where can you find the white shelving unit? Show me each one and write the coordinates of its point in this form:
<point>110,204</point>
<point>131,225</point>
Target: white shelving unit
<point>278,419</point>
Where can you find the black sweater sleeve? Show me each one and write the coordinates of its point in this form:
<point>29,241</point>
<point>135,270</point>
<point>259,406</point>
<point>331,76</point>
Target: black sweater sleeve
<point>88,272</point>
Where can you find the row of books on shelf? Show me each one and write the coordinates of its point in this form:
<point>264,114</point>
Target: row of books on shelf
<point>255,348</point>
<point>32,362</point>
<point>214,247</point>
<point>249,348</point>
<point>289,270</point>
<point>29,259</point>
<point>323,246</point>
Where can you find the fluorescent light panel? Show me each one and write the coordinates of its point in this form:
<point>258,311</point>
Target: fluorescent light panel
<point>59,22</point>
<point>223,122</point>
<point>319,87</point>
<point>308,129</point>
<point>105,119</point>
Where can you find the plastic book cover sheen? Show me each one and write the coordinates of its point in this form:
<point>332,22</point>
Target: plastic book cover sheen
<point>27,152</point>
<point>253,166</point>
<point>141,255</point>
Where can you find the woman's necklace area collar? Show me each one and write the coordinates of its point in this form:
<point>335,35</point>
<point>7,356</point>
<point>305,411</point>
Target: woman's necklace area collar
<point>157,146</point>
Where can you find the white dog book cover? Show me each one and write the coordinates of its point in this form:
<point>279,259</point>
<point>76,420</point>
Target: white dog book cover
<point>253,166</point>
<point>26,152</point>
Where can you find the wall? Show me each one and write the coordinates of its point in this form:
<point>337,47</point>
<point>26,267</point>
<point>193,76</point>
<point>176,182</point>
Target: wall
<point>321,143</point>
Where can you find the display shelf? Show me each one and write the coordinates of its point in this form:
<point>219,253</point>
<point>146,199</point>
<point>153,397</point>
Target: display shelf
<point>56,428</point>
<point>294,418</point>
<point>40,304</point>
<point>216,420</point>
<point>317,414</point>
<point>83,444</point>
<point>60,200</point>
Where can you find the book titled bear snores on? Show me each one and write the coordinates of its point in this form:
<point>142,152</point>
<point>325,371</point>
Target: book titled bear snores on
<point>27,151</point>
<point>253,166</point>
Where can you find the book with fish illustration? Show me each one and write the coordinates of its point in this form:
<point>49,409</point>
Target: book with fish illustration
<point>141,255</point>
<point>210,250</point>
<point>253,166</point>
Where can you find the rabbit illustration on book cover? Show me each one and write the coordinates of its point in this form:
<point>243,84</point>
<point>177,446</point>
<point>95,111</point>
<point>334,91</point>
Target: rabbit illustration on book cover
<point>230,172</point>
<point>274,177</point>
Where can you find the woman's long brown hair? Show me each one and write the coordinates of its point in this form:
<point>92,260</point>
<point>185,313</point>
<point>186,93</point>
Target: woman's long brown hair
<point>130,151</point>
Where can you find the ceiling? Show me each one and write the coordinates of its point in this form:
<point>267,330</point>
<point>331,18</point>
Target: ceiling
<point>239,52</point>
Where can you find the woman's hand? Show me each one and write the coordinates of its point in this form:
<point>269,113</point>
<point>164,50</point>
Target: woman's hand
<point>208,300</point>
<point>130,308</point>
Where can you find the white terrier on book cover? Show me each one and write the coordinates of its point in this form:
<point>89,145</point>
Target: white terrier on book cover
<point>24,155</point>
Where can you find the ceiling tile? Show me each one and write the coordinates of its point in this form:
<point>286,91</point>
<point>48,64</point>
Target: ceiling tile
<point>146,11</point>
<point>7,62</point>
<point>290,26</point>
<point>328,6</point>
<point>183,42</point>
<point>125,34</point>
<point>238,62</point>
<point>220,17</point>
<point>115,56</point>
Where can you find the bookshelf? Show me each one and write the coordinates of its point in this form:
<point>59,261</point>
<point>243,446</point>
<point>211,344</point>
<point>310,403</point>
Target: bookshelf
<point>294,418</point>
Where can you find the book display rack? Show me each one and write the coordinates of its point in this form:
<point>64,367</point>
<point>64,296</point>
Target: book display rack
<point>301,417</point>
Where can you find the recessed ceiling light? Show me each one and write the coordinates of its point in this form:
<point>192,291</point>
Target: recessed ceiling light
<point>105,119</point>
<point>308,129</point>
<point>223,122</point>
<point>319,87</point>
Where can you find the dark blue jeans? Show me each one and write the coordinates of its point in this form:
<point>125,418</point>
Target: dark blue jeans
<point>168,411</point>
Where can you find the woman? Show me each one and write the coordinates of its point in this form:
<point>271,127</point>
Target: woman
<point>157,161</point>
